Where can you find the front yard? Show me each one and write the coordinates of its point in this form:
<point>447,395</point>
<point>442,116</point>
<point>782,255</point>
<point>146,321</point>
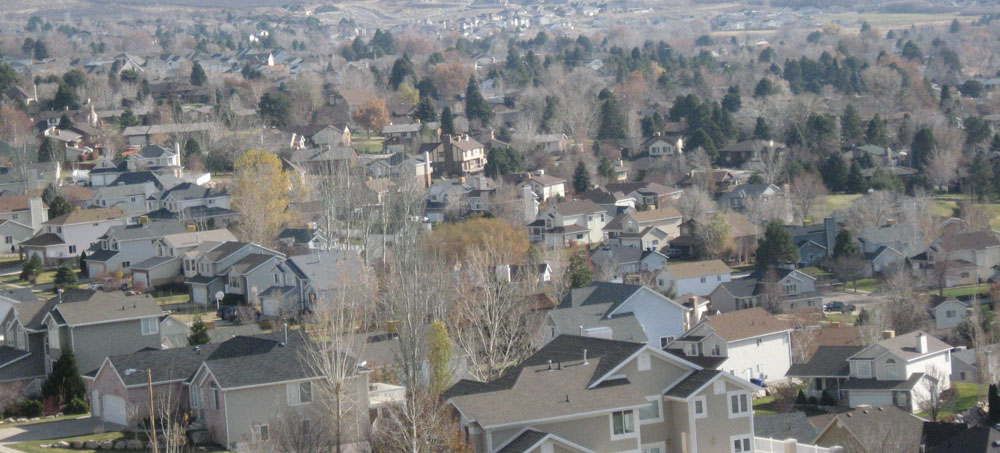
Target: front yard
<point>968,396</point>
<point>36,446</point>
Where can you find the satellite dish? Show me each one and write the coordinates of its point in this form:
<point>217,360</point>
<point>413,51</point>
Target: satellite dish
<point>220,295</point>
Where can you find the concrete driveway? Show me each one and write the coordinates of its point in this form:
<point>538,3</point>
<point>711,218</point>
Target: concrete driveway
<point>48,430</point>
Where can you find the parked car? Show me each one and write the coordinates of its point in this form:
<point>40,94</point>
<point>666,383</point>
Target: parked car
<point>840,306</point>
<point>227,312</point>
<point>674,253</point>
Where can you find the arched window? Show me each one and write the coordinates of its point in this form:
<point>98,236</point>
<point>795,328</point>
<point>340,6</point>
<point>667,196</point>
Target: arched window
<point>890,368</point>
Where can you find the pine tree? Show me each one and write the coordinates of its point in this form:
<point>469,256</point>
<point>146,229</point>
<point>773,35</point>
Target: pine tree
<point>425,109</point>
<point>579,273</point>
<point>762,131</point>
<point>876,134</point>
<point>851,126</point>
<point>834,173</point>
<point>198,76</point>
<point>447,122</point>
<point>776,247</point>
<point>59,206</point>
<point>605,169</point>
<point>732,101</point>
<point>31,269</point>
<point>65,277</point>
<point>83,264</point>
<point>199,332</point>
<point>476,106</point>
<point>47,150</point>
<point>855,180</point>
<point>65,122</point>
<point>612,123</point>
<point>64,382</point>
<point>439,356</point>
<point>581,178</point>
<point>845,245</point>
<point>921,148</point>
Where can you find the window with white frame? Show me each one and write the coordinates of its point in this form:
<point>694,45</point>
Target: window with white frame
<point>700,407</point>
<point>739,404</point>
<point>716,350</point>
<point>890,368</point>
<point>644,362</point>
<point>264,433</point>
<point>622,424</point>
<point>655,448</point>
<point>150,326</point>
<point>651,413</point>
<point>195,397</point>
<point>299,393</point>
<point>664,341</point>
<point>742,444</point>
<point>216,397</point>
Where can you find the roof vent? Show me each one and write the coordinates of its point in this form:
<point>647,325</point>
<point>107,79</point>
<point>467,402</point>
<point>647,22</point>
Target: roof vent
<point>550,365</point>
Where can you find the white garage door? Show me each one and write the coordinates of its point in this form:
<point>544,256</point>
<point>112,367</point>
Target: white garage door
<point>114,410</point>
<point>871,399</point>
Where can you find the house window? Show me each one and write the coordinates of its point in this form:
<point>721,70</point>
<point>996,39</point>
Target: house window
<point>72,249</point>
<point>738,404</point>
<point>864,369</point>
<point>759,342</point>
<point>700,407</point>
<point>277,278</point>
<point>949,314</point>
<point>265,434</point>
<point>703,279</point>
<point>644,362</point>
<point>150,326</point>
<point>8,240</point>
<point>126,264</point>
<point>299,393</point>
<point>718,278</point>
<point>622,425</point>
<point>664,341</point>
<point>742,444</point>
<point>716,350</point>
<point>650,413</point>
<point>234,281</point>
<point>216,397</point>
<point>965,275</point>
<point>791,289</point>
<point>655,448</point>
<point>890,368</point>
<point>961,375</point>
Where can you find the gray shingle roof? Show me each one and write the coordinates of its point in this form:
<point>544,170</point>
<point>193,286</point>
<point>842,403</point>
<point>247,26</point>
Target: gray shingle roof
<point>145,231</point>
<point>827,361</point>
<point>178,364</point>
<point>44,240</point>
<point>523,442</point>
<point>246,361</point>
<point>689,385</point>
<point>793,425</point>
<point>190,191</point>
<point>87,307</point>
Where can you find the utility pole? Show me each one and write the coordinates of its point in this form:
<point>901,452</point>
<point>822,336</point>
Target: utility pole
<point>152,410</point>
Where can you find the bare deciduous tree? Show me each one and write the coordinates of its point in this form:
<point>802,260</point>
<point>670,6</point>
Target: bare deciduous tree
<point>805,190</point>
<point>937,394</point>
<point>694,203</point>
<point>772,294</point>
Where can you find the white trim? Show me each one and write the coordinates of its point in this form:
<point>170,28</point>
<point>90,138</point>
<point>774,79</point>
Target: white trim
<point>704,407</point>
<point>575,416</point>
<point>659,411</point>
<point>646,348</point>
<point>635,429</point>
<point>729,404</point>
<point>548,436</point>
<point>732,442</point>
<point>642,448</point>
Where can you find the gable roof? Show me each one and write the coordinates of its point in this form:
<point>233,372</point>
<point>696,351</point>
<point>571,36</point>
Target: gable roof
<point>697,268</point>
<point>903,346</point>
<point>81,307</point>
<point>976,240</point>
<point>793,425</point>
<point>190,191</point>
<point>88,215</point>
<point>144,231</point>
<point>871,425</point>
<point>826,361</point>
<point>15,203</point>
<point>742,324</point>
<point>265,359</point>
<point>577,207</point>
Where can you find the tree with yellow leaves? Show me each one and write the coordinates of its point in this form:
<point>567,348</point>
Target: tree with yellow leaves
<point>454,241</point>
<point>261,194</point>
<point>373,115</point>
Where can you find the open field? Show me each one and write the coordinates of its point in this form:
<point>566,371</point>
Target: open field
<point>853,21</point>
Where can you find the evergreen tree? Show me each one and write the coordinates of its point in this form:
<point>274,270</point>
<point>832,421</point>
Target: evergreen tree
<point>606,169</point>
<point>447,122</point>
<point>49,193</point>
<point>921,148</point>
<point>549,114</point>
<point>764,88</point>
<point>401,69</point>
<point>503,161</point>
<point>82,264</point>
<point>612,123</point>
<point>65,122</point>
<point>981,178</point>
<point>702,140</point>
<point>425,110</point>
<point>65,277</point>
<point>476,106</point>
<point>855,180</point>
<point>198,76</point>
<point>192,148</point>
<point>993,400</point>
<point>776,247</point>
<point>945,95</point>
<point>439,356</point>
<point>761,130</point>
<point>199,332</point>
<point>64,99</point>
<point>834,173</point>
<point>845,245</point>
<point>47,150</point>
<point>579,273</point>
<point>995,144</point>
<point>955,26</point>
<point>127,118</point>
<point>911,51</point>
<point>732,101</point>
<point>65,382</point>
<point>581,178</point>
<point>31,269</point>
<point>852,127</point>
<point>59,206</point>
<point>40,50</point>
<point>275,108</point>
<point>877,134</point>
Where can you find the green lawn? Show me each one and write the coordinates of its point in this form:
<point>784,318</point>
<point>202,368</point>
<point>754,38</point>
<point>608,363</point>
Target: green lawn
<point>843,318</point>
<point>167,298</point>
<point>35,446</point>
<point>966,290</point>
<point>765,406</point>
<point>944,205</point>
<point>815,272</point>
<point>44,420</point>
<point>866,285</point>
<point>830,203</point>
<point>968,395</point>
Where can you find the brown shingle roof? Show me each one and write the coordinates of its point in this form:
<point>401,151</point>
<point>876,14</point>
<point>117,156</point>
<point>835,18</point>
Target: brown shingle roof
<point>653,215</point>
<point>976,240</point>
<point>741,324</point>
<point>15,203</point>
<point>577,207</point>
<point>88,215</point>
<point>696,268</point>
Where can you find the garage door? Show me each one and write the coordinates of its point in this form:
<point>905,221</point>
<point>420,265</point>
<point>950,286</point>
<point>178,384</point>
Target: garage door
<point>114,409</point>
<point>871,399</point>
<point>271,307</point>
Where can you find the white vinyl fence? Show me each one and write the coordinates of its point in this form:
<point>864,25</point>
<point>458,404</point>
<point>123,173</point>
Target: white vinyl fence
<point>766,445</point>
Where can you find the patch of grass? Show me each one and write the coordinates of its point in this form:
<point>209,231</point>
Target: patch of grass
<point>35,446</point>
<point>45,420</point>
<point>863,285</point>
<point>968,396</point>
<point>845,319</point>
<point>766,406</point>
<point>944,205</point>
<point>815,272</point>
<point>168,299</point>
<point>962,291</point>
<point>830,203</point>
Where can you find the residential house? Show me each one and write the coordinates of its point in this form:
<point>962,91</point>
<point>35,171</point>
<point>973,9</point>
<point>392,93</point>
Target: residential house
<point>63,238</point>
<point>967,257</point>
<point>965,362</point>
<point>786,290</point>
<point>948,312</point>
<point>460,155</point>
<point>303,239</point>
<point>569,222</point>
<point>659,145</point>
<point>695,277</point>
<point>38,176</point>
<point>124,245</point>
<point>873,429</point>
<point>751,344</point>
<point>137,137</point>
<point>887,247</point>
<point>78,196</point>
<point>165,266</point>
<point>404,169</point>
<point>157,159</point>
<point>719,181</point>
<point>131,198</point>
<point>323,160</point>
<point>580,394</point>
<point>105,171</point>
<point>616,261</point>
<point>20,217</point>
<point>554,144</point>
<point>742,235</point>
<point>893,371</point>
<point>322,135</point>
<point>241,390</point>
<point>742,196</point>
<point>649,194</point>
<point>23,345</point>
<point>815,241</point>
<point>329,276</point>
<point>93,324</point>
<point>646,230</point>
<point>205,207</point>
<point>206,268</point>
<point>617,311</point>
<point>547,186</point>
<point>748,151</point>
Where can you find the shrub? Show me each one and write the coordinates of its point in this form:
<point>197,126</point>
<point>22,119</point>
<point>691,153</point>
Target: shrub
<point>813,400</point>
<point>827,400</point>
<point>77,406</point>
<point>26,408</point>
<point>801,398</point>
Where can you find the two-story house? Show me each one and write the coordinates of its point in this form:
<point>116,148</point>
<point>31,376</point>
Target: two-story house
<point>748,151</point>
<point>888,246</point>
<point>646,230</point>
<point>659,145</point>
<point>166,264</point>
<point>157,159</point>
<point>316,135</point>
<point>751,344</point>
<point>694,277</point>
<point>124,245</point>
<point>63,238</point>
<point>966,257</point>
<point>461,156</point>
<point>20,217</point>
<point>617,311</point>
<point>202,206</point>
<point>93,324</point>
<point>785,290</point>
<point>131,198</point>
<point>893,371</point>
<point>616,261</point>
<point>581,394</point>
<point>105,171</point>
<point>206,268</point>
<point>244,390</point>
<point>547,186</point>
<point>649,194</point>
<point>740,197</point>
<point>569,222</point>
<point>815,241</point>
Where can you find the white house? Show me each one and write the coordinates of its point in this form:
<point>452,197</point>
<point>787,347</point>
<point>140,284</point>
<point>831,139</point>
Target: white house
<point>569,222</point>
<point>64,237</point>
<point>949,313</point>
<point>697,277</point>
<point>547,186</point>
<point>751,344</point>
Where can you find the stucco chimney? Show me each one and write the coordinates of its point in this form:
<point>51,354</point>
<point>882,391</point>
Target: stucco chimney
<point>921,343</point>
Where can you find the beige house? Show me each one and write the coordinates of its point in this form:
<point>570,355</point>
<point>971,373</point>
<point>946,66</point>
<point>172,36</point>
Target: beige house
<point>583,394</point>
<point>695,277</point>
<point>547,186</point>
<point>633,229</point>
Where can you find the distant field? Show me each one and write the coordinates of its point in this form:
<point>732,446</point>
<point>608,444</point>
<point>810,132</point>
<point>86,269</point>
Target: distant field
<point>831,203</point>
<point>851,21</point>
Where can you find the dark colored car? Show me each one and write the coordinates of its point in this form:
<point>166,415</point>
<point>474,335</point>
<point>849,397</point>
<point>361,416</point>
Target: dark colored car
<point>227,312</point>
<point>840,306</point>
